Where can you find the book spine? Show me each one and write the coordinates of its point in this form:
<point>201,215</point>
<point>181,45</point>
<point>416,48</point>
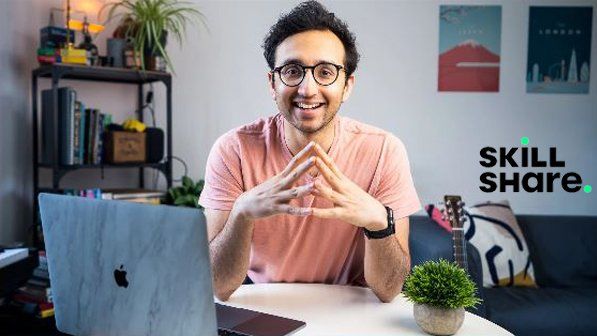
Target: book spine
<point>47,127</point>
<point>98,138</point>
<point>88,115</point>
<point>92,128</point>
<point>39,282</point>
<point>81,143</point>
<point>41,273</point>
<point>72,97</point>
<point>77,133</point>
<point>46,313</point>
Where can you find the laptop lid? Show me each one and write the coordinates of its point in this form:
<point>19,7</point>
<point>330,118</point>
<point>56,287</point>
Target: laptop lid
<point>122,268</point>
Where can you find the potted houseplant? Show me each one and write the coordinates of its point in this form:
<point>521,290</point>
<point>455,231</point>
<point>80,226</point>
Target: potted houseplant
<point>440,290</point>
<point>187,194</point>
<point>148,23</point>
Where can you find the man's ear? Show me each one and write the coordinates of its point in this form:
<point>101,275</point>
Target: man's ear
<point>348,88</point>
<point>272,85</point>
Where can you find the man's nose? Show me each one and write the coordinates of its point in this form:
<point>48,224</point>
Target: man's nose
<point>308,86</point>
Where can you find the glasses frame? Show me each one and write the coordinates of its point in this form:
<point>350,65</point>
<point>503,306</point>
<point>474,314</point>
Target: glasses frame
<point>312,68</point>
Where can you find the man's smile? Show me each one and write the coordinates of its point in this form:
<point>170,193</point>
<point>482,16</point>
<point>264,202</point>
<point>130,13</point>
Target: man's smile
<point>308,110</point>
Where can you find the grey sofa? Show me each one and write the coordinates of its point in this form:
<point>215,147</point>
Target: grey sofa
<point>564,255</point>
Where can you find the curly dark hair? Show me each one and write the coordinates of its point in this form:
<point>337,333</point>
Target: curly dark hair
<point>310,15</point>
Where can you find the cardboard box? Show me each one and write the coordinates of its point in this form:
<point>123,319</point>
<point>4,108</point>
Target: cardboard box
<point>125,147</point>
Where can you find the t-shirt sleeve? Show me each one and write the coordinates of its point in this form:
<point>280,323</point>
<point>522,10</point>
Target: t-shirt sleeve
<point>223,177</point>
<point>396,188</point>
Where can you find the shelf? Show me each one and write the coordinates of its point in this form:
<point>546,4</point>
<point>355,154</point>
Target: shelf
<point>160,165</point>
<point>58,72</point>
<point>101,74</point>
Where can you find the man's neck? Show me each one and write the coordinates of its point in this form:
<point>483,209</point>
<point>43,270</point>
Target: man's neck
<point>297,140</point>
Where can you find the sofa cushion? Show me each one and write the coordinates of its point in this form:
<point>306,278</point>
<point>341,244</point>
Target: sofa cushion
<point>563,249</point>
<point>493,230</point>
<point>543,311</point>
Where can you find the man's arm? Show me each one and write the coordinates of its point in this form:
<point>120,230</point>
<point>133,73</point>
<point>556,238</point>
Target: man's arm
<point>229,246</point>
<point>387,262</point>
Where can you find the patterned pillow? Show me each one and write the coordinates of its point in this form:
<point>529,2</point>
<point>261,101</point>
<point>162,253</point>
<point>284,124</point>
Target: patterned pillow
<point>493,230</point>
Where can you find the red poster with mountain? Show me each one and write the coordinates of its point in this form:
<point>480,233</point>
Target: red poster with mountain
<point>469,57</point>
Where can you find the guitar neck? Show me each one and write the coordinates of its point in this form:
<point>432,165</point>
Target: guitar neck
<point>459,247</point>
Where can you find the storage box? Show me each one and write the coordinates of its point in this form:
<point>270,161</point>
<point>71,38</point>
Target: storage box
<point>125,147</point>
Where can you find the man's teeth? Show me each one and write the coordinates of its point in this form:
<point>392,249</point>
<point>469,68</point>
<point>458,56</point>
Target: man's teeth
<point>307,106</point>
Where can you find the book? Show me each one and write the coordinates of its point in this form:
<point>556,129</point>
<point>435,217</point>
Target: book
<point>88,134</point>
<point>32,308</point>
<point>39,282</point>
<point>41,273</point>
<point>122,194</point>
<point>69,128</point>
<point>98,138</point>
<point>144,200</point>
<point>46,313</point>
<point>47,59</point>
<point>92,135</point>
<point>81,144</point>
<point>77,132</point>
<point>25,297</point>
<point>56,123</point>
<point>36,291</point>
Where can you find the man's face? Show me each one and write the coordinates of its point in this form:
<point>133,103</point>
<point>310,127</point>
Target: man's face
<point>310,48</point>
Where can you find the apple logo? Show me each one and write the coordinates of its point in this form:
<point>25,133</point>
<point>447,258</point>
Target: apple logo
<point>120,277</point>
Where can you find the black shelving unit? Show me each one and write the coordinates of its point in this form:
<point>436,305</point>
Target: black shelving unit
<point>58,72</point>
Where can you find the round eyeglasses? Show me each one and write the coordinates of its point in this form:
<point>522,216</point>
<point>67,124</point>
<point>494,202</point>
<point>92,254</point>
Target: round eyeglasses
<point>292,74</point>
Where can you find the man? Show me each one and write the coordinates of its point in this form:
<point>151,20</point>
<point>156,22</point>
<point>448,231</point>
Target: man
<point>307,195</point>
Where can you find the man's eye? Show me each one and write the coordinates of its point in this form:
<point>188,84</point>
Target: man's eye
<point>291,72</point>
<point>326,73</point>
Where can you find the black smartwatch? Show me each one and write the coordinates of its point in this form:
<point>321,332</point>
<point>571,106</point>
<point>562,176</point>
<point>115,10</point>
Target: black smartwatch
<point>388,231</point>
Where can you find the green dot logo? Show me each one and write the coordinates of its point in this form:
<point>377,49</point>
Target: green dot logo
<point>524,141</point>
<point>588,188</point>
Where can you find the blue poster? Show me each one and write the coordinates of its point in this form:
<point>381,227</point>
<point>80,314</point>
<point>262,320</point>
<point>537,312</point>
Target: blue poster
<point>559,49</point>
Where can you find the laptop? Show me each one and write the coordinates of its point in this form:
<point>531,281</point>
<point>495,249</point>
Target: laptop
<point>122,268</point>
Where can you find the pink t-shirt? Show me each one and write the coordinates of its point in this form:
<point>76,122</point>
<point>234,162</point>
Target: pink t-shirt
<point>289,248</point>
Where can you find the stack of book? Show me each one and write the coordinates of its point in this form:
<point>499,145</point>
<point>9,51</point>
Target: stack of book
<point>79,130</point>
<point>48,55</point>
<point>53,47</point>
<point>36,296</point>
<point>130,195</point>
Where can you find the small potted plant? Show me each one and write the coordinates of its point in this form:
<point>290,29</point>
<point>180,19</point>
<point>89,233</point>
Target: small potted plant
<point>440,290</point>
<point>148,23</point>
<point>187,194</point>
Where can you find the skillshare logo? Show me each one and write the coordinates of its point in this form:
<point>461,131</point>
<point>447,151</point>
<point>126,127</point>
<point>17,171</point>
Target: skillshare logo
<point>523,156</point>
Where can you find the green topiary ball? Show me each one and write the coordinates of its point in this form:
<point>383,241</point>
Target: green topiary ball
<point>440,284</point>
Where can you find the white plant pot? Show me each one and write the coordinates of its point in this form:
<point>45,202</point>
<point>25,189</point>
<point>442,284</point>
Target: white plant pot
<point>438,321</point>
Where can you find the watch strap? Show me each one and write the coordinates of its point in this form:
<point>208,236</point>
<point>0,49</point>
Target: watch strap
<point>388,231</point>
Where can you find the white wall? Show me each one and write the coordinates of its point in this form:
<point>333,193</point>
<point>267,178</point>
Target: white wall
<point>221,83</point>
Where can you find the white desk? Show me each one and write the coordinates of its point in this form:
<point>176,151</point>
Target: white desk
<point>344,310</point>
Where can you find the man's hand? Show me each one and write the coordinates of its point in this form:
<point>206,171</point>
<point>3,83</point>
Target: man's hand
<point>351,203</point>
<point>272,196</point>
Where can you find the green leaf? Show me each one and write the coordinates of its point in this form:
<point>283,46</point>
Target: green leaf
<point>187,182</point>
